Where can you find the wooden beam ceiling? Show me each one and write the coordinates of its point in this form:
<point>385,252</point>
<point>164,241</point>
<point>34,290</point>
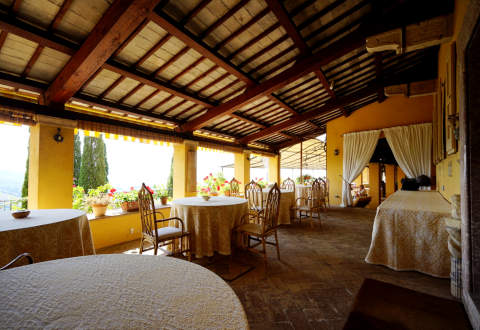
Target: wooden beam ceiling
<point>118,22</point>
<point>299,69</point>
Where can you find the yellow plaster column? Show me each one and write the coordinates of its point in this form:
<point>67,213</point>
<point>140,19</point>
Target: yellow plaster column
<point>242,168</point>
<point>50,170</point>
<point>374,183</point>
<point>184,169</point>
<point>389,180</point>
<point>274,169</point>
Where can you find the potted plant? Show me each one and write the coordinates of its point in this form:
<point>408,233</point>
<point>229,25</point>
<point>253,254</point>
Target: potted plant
<point>226,188</point>
<point>213,184</point>
<point>262,183</point>
<point>99,199</point>
<point>204,193</point>
<point>128,200</point>
<point>160,192</point>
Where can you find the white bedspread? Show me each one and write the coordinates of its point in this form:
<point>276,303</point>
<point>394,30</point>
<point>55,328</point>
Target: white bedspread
<point>409,233</point>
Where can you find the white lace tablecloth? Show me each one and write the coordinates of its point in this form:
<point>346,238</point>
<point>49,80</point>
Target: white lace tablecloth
<point>46,234</point>
<point>210,223</point>
<point>287,201</point>
<point>302,191</point>
<point>409,233</point>
<point>118,292</point>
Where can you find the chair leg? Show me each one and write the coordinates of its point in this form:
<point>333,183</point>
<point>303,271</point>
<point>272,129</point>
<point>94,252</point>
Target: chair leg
<point>141,245</point>
<point>276,244</point>
<point>155,248</point>
<point>264,252</point>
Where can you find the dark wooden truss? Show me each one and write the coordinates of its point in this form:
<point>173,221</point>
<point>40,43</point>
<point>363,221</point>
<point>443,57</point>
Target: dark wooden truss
<point>261,73</point>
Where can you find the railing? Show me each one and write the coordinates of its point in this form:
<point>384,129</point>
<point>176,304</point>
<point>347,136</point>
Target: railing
<point>13,204</point>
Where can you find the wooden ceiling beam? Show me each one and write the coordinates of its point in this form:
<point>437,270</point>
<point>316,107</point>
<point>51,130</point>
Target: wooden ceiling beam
<point>379,76</point>
<point>116,25</point>
<point>295,120</point>
<point>326,85</point>
<point>277,8</point>
<point>192,41</point>
<point>59,16</point>
<point>195,11</point>
<point>299,69</point>
<point>224,18</point>
<point>32,61</point>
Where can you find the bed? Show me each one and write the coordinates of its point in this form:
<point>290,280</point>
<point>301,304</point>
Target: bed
<point>409,233</point>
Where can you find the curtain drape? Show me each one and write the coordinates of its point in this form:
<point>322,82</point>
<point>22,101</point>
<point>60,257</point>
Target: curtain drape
<point>412,148</point>
<point>358,149</point>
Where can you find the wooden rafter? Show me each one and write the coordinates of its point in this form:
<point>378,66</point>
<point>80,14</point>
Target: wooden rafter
<point>295,120</point>
<point>32,61</point>
<point>118,22</point>
<point>379,76</point>
<point>277,8</point>
<point>299,69</point>
<point>59,16</point>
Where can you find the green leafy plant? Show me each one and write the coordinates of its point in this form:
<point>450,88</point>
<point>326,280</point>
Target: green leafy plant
<point>102,195</point>
<point>212,184</point>
<point>127,196</point>
<point>306,179</point>
<point>261,182</point>
<point>78,198</point>
<point>160,191</point>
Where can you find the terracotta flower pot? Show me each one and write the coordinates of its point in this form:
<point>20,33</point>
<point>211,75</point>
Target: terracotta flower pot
<point>227,192</point>
<point>164,200</point>
<point>99,210</point>
<point>213,193</point>
<point>130,206</point>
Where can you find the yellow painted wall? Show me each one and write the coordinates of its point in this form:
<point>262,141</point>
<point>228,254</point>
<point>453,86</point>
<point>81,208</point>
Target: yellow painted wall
<point>112,230</point>
<point>50,169</point>
<point>274,169</point>
<point>394,111</point>
<point>389,180</point>
<point>184,170</point>
<point>242,168</point>
<point>448,180</point>
<point>374,192</point>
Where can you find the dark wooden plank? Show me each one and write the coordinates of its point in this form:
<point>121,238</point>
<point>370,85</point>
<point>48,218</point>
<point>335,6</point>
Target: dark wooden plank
<point>187,69</point>
<point>32,61</point>
<point>147,98</point>
<point>59,16</point>
<point>195,11</point>
<point>224,18</point>
<point>112,86</point>
<point>118,22</point>
<point>3,37</point>
<point>15,6</point>
<point>170,61</point>
<point>130,38</point>
<point>254,40</point>
<point>191,41</point>
<point>282,16</point>
<point>133,91</point>
<point>379,76</point>
<point>153,50</point>
<point>295,120</point>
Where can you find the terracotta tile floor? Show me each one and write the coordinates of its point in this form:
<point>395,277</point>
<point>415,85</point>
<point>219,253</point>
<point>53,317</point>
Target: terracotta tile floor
<point>321,270</point>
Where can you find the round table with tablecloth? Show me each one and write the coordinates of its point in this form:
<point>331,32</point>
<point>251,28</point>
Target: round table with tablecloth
<point>287,201</point>
<point>210,223</point>
<point>46,234</point>
<point>118,292</point>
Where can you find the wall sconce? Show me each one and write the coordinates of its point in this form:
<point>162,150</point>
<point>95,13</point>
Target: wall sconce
<point>58,137</point>
<point>336,152</point>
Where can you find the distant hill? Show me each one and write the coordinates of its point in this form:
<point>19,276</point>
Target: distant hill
<point>11,184</point>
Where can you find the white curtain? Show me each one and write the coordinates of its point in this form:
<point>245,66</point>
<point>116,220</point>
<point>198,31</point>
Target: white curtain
<point>412,148</point>
<point>358,148</point>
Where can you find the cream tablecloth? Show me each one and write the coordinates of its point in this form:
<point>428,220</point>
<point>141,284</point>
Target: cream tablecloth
<point>287,201</point>
<point>46,234</point>
<point>210,223</point>
<point>118,292</point>
<point>409,233</point>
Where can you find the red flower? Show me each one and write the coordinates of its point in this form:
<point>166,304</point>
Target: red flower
<point>260,179</point>
<point>131,188</point>
<point>74,186</point>
<point>226,181</point>
<point>110,194</point>
<point>223,184</point>
<point>205,178</point>
<point>214,179</point>
<point>211,174</point>
<point>113,190</point>
<point>208,189</point>
<point>218,187</point>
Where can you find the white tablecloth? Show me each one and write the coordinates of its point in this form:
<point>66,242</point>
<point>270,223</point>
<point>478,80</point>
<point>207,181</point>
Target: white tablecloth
<point>409,233</point>
<point>46,234</point>
<point>210,223</point>
<point>287,201</point>
<point>118,292</point>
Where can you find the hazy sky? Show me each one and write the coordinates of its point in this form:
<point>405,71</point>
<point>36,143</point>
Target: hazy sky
<point>13,146</point>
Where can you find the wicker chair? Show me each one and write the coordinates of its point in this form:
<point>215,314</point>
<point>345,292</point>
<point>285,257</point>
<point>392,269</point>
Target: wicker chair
<point>159,237</point>
<point>327,192</point>
<point>324,192</point>
<point>235,188</point>
<point>313,204</point>
<point>254,195</point>
<point>28,256</point>
<point>266,226</point>
<point>288,184</point>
